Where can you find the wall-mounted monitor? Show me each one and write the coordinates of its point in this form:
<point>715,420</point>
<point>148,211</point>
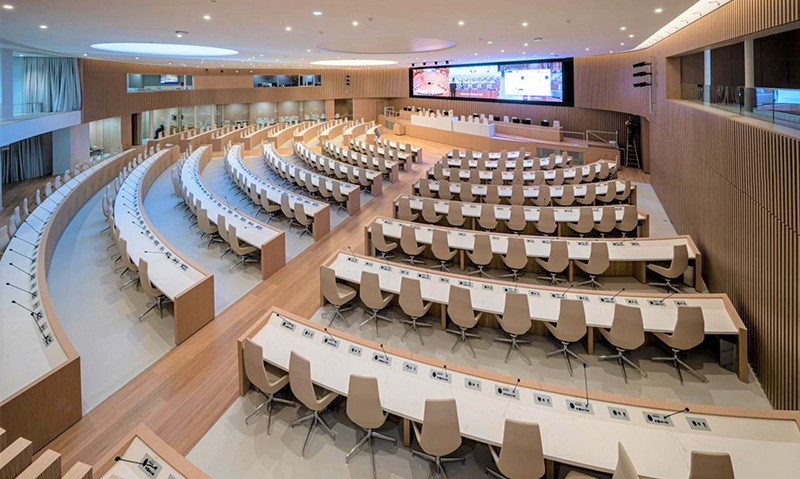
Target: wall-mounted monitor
<point>545,82</point>
<point>169,79</point>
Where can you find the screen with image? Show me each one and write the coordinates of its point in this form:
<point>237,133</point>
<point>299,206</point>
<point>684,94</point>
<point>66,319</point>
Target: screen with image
<point>169,79</point>
<point>530,82</point>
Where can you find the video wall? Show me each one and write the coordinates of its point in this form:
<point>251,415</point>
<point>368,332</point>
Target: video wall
<point>546,82</point>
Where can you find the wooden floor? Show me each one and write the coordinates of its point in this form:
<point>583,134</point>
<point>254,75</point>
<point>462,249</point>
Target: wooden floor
<point>182,395</point>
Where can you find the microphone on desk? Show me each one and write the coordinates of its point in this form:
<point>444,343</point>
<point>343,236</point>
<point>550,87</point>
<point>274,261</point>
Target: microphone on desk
<point>513,391</point>
<point>384,351</point>
<point>33,276</point>
<point>26,241</point>
<point>144,462</point>
<point>137,224</point>
<point>32,293</point>
<point>42,207</point>
<point>564,294</point>
<point>158,252</point>
<point>618,293</point>
<point>329,334</point>
<point>34,215</point>
<point>667,297</point>
<point>34,229</point>
<point>351,251</point>
<point>686,409</point>
<point>33,313</point>
<point>32,260</point>
<point>586,383</point>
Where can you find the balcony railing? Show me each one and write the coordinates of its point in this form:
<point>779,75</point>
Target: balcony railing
<point>780,106</point>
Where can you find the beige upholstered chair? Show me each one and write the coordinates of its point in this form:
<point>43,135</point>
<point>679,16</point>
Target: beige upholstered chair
<point>441,249</point>
<point>267,379</point>
<point>4,239</point>
<point>127,264</point>
<point>598,264</point>
<point>459,308</point>
<point>558,177</point>
<point>245,254</point>
<point>710,465</point>
<point>626,192</point>
<point>271,208</point>
<point>521,456</point>
<point>404,211</point>
<point>557,261</point>
<point>487,220</point>
<point>570,328</point>
<point>626,334</point>
<point>455,215</point>
<point>608,221</point>
<point>610,195</point>
<point>678,266</point>
<point>444,190</point>
<point>372,297</point>
<point>207,229</point>
<point>425,188</point>
<point>605,171</point>
<point>481,254</point>
<point>412,304</point>
<point>585,222</point>
<point>222,229</point>
<point>465,193</point>
<point>567,197</point>
<point>689,332</point>
<point>303,389</point>
<point>517,195</point>
<point>379,241</point>
<point>159,298</point>
<point>409,245</point>
<point>516,222</point>
<point>492,195</point>
<point>588,198</point>
<point>497,177</point>
<point>516,321</point>
<point>440,434</point>
<point>624,469</point>
<point>589,175</point>
<point>474,177</point>
<point>429,211</point>
<point>516,258</point>
<point>543,199</point>
<point>336,294</point>
<point>364,409</point>
<point>518,178</point>
<point>339,197</point>
<point>303,220</point>
<point>538,179</point>
<point>630,220</point>
<point>287,211</point>
<point>438,172</point>
<point>546,224</point>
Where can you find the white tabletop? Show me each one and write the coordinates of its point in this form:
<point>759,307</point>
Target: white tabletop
<point>363,158</point>
<point>529,191</point>
<point>493,155</point>
<point>274,193</point>
<point>379,150</point>
<point>759,448</point>
<point>345,187</point>
<point>251,232</point>
<point>489,296</point>
<point>139,451</point>
<point>510,164</point>
<point>29,348</point>
<point>168,271</point>
<point>341,166</point>
<point>625,249</point>
<point>566,214</point>
<point>528,175</point>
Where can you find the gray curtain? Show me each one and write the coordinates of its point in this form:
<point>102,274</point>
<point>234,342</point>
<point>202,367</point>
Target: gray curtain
<point>51,84</point>
<point>23,160</point>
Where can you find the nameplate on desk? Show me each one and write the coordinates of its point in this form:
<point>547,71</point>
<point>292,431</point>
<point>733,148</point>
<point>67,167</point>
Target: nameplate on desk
<point>657,419</point>
<point>618,413</point>
<point>487,287</point>
<point>462,234</point>
<point>423,276</point>
<point>382,359</point>
<point>583,298</point>
<point>385,267</point>
<point>656,302</point>
<point>698,424</point>
<point>580,406</point>
<point>330,341</point>
<point>405,272</point>
<point>440,375</point>
<point>510,392</point>
<point>149,466</point>
<point>535,294</point>
<point>542,400</point>
<point>583,243</point>
<point>557,295</point>
<point>508,289</point>
<point>618,243</point>
<point>287,325</point>
<point>466,284</point>
<point>443,279</point>
<point>410,368</point>
<point>635,243</point>
<point>369,264</point>
<point>680,302</point>
<point>605,299</point>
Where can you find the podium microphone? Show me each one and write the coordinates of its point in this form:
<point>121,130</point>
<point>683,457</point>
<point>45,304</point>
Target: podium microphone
<point>386,355</point>
<point>32,293</point>
<point>686,409</point>
<point>33,276</point>
<point>586,383</point>
<point>32,260</point>
<point>564,294</point>
<point>329,334</point>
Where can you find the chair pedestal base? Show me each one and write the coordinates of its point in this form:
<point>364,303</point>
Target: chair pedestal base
<point>271,399</point>
<point>316,420</point>
<point>337,314</point>
<point>553,279</point>
<point>414,326</point>
<point>564,349</point>
<point>463,338</point>
<point>158,303</point>
<point>514,344</point>
<point>593,282</point>
<point>620,357</point>
<point>479,272</point>
<point>368,438</point>
<point>377,318</point>
<point>667,284</point>
<point>437,463</point>
<point>678,363</point>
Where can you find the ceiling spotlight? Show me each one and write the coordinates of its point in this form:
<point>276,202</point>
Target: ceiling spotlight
<point>8,7</point>
<point>630,36</point>
<point>537,39</point>
<point>476,54</point>
<point>355,23</point>
<point>206,17</point>
<point>524,24</point>
<point>308,50</point>
<point>622,43</point>
<point>317,13</point>
<point>137,58</point>
<point>623,28</point>
<point>659,10</point>
<point>587,49</point>
<point>502,51</point>
<point>86,54</point>
<point>180,33</point>
<point>490,42</point>
<point>43,27</point>
<point>526,44</point>
<point>461,23</point>
<point>288,29</point>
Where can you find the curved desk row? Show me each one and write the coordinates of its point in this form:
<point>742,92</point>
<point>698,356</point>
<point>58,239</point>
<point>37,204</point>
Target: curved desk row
<point>191,143</point>
<point>355,131</point>
<point>381,145</point>
<point>628,256</point>
<point>598,171</point>
<point>546,163</point>
<point>319,210</point>
<point>335,131</point>
<point>531,192</point>
<point>563,215</point>
<point>236,135</point>
<point>373,133</point>
<point>173,139</point>
<point>492,155</point>
<point>188,285</point>
<point>761,443</point>
<point>340,169</point>
<point>269,240</point>
<point>37,356</point>
<point>254,139</point>
<point>392,154</point>
<point>313,131</point>
<point>283,135</point>
<point>352,191</point>
<point>366,161</point>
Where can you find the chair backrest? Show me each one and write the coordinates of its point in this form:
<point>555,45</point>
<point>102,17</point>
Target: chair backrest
<point>286,209</point>
<point>144,278</point>
<point>598,258</point>
<point>378,238</point>
<point>567,195</point>
<point>558,177</point>
<point>455,215</point>
<point>492,195</point>
<point>465,193</point>
<point>690,329</point>
<point>680,261</point>
<point>474,176</point>
<point>624,469</point>
<point>497,177</point>
<point>710,465</point>
<point>627,328</point>
<point>571,324</point>
<point>558,259</point>
<point>300,380</point>
<point>630,219</point>
<point>487,220</point>
<point>516,257</point>
<point>4,238</point>
<point>585,220</point>
<point>364,402</point>
<point>254,366</point>
<point>404,209</point>
<point>608,219</point>
<point>517,195</point>
<point>547,221</point>
<point>444,190</point>
<point>408,240</point>
<point>429,211</point>
<point>516,314</point>
<point>411,297</point>
<point>543,199</point>
<point>591,194</point>
<point>328,285</point>
<point>459,307</point>
<point>440,432</point>
<point>222,228</point>
<point>370,290</point>
<point>439,246</point>
<point>522,455</point>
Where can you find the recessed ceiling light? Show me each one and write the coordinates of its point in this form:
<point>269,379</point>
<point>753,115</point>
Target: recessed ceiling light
<point>165,49</point>
<point>137,58</point>
<point>86,54</point>
<point>43,27</point>
<point>659,10</point>
<point>587,49</point>
<point>206,17</point>
<point>355,23</point>
<point>490,42</point>
<point>526,44</point>
<point>524,24</point>
<point>623,28</point>
<point>288,29</point>
<point>630,36</point>
<point>523,53</point>
<point>308,50</point>
<point>354,63</point>
<point>8,7</point>
<point>461,23</point>
<point>502,51</point>
<point>476,54</point>
<point>622,43</point>
<point>317,13</point>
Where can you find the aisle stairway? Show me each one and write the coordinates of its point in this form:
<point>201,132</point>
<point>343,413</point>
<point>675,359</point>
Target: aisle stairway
<point>16,461</point>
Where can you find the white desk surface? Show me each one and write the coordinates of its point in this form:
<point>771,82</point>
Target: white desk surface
<point>439,122</point>
<point>138,451</point>
<point>168,271</point>
<point>303,151</point>
<point>25,353</point>
<point>510,164</point>
<point>251,232</point>
<point>528,175</point>
<point>529,191</point>
<point>493,155</point>
<point>274,193</point>
<point>392,144</point>
<point>625,249</point>
<point>330,146</point>
<point>474,128</point>
<point>565,214</point>
<point>401,154</point>
<point>342,166</point>
<point>489,296</point>
<point>759,448</point>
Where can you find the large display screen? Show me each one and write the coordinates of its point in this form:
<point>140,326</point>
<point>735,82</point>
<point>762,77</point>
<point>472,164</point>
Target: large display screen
<point>169,79</point>
<point>548,81</point>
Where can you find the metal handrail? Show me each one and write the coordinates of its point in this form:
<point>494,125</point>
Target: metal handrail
<point>596,135</point>
<point>575,134</point>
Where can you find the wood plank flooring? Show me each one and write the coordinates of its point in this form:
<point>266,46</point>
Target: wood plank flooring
<point>182,395</point>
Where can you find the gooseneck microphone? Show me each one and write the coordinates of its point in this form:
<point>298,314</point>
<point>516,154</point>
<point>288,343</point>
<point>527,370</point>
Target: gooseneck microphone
<point>26,241</point>
<point>618,293</point>
<point>33,276</point>
<point>32,260</point>
<point>586,383</point>
<point>143,462</point>
<point>513,391</point>
<point>667,297</point>
<point>32,293</point>
<point>686,409</point>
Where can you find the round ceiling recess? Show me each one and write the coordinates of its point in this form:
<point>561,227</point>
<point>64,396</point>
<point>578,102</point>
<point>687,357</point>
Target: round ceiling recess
<point>165,49</point>
<point>386,45</point>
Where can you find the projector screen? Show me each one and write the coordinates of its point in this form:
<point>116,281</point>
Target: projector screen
<point>545,81</point>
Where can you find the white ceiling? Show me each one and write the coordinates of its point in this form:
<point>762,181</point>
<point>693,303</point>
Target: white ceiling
<point>257,29</point>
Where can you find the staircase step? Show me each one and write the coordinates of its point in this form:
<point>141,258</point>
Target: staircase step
<point>79,471</point>
<point>15,458</point>
<point>46,466</point>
